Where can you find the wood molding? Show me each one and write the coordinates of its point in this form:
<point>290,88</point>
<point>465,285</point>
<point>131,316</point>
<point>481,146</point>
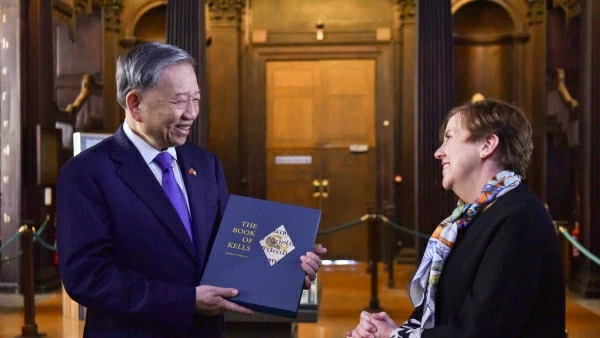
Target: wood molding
<point>330,37</point>
<point>490,39</point>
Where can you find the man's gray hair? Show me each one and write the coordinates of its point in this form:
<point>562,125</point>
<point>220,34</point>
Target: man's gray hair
<point>140,68</point>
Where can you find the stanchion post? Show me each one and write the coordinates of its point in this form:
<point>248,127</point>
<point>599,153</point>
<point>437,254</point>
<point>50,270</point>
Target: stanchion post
<point>373,259</point>
<point>30,329</point>
<point>389,211</point>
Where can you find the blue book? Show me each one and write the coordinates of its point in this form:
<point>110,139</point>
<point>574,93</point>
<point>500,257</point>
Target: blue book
<point>257,251</point>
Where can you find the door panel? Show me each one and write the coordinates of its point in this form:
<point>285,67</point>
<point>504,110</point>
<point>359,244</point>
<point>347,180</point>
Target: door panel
<point>348,96</point>
<point>289,181</point>
<point>316,110</point>
<point>351,186</point>
<point>292,104</point>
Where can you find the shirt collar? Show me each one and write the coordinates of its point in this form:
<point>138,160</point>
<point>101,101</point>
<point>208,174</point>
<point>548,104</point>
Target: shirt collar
<point>147,151</point>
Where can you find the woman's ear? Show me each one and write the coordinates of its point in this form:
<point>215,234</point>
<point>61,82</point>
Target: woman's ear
<point>489,145</point>
<point>132,102</point>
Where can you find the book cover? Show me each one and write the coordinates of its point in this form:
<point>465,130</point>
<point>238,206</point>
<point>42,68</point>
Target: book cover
<point>257,251</point>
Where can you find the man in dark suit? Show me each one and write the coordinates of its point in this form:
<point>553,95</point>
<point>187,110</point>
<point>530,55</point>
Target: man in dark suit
<point>138,213</point>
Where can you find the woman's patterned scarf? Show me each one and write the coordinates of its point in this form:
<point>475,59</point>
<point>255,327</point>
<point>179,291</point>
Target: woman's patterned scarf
<point>439,247</point>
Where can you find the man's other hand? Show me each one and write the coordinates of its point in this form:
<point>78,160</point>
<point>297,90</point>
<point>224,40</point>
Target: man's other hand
<point>210,300</point>
<point>311,263</point>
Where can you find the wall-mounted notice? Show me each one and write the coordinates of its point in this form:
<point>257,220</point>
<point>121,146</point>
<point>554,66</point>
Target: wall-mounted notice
<point>304,159</point>
<point>359,148</point>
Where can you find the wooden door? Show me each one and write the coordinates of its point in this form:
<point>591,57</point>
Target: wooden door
<point>347,118</point>
<point>315,111</point>
<point>292,127</point>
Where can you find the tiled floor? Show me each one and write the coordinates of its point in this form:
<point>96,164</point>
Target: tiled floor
<point>345,292</point>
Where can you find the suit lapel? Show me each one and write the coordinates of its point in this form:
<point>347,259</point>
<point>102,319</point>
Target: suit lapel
<point>195,192</point>
<point>136,174</point>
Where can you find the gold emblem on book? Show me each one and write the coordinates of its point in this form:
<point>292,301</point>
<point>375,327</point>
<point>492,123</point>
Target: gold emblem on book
<point>277,244</point>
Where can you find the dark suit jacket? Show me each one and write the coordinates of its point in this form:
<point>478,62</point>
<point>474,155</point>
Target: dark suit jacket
<point>503,278</point>
<point>123,250</point>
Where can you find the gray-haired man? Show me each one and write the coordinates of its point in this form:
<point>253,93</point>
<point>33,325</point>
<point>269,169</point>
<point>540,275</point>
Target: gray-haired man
<point>138,213</point>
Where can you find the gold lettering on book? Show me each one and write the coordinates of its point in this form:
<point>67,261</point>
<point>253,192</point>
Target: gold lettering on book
<point>249,225</point>
<point>243,232</point>
<point>247,237</point>
<point>238,246</point>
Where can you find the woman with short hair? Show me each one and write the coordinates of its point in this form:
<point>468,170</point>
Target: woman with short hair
<point>491,268</point>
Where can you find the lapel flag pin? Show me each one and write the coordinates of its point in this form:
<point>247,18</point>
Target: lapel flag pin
<point>192,171</point>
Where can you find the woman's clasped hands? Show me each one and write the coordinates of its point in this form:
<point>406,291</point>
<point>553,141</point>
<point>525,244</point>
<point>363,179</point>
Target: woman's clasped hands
<point>373,325</point>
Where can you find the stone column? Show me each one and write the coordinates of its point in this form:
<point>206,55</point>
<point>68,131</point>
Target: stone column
<point>435,95</point>
<point>224,82</point>
<point>406,89</point>
<point>586,280</point>
<point>186,29</point>
<point>113,117</point>
<point>533,97</point>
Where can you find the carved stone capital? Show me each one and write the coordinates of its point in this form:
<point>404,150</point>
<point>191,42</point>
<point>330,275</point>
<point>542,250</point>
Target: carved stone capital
<point>67,12</point>
<point>82,6</point>
<point>226,12</point>
<point>572,8</point>
<point>536,12</point>
<point>111,11</point>
<point>408,11</point>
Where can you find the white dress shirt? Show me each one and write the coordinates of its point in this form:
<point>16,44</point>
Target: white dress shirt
<point>149,153</point>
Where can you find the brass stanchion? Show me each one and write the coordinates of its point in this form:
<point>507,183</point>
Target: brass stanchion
<point>373,259</point>
<point>30,329</point>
